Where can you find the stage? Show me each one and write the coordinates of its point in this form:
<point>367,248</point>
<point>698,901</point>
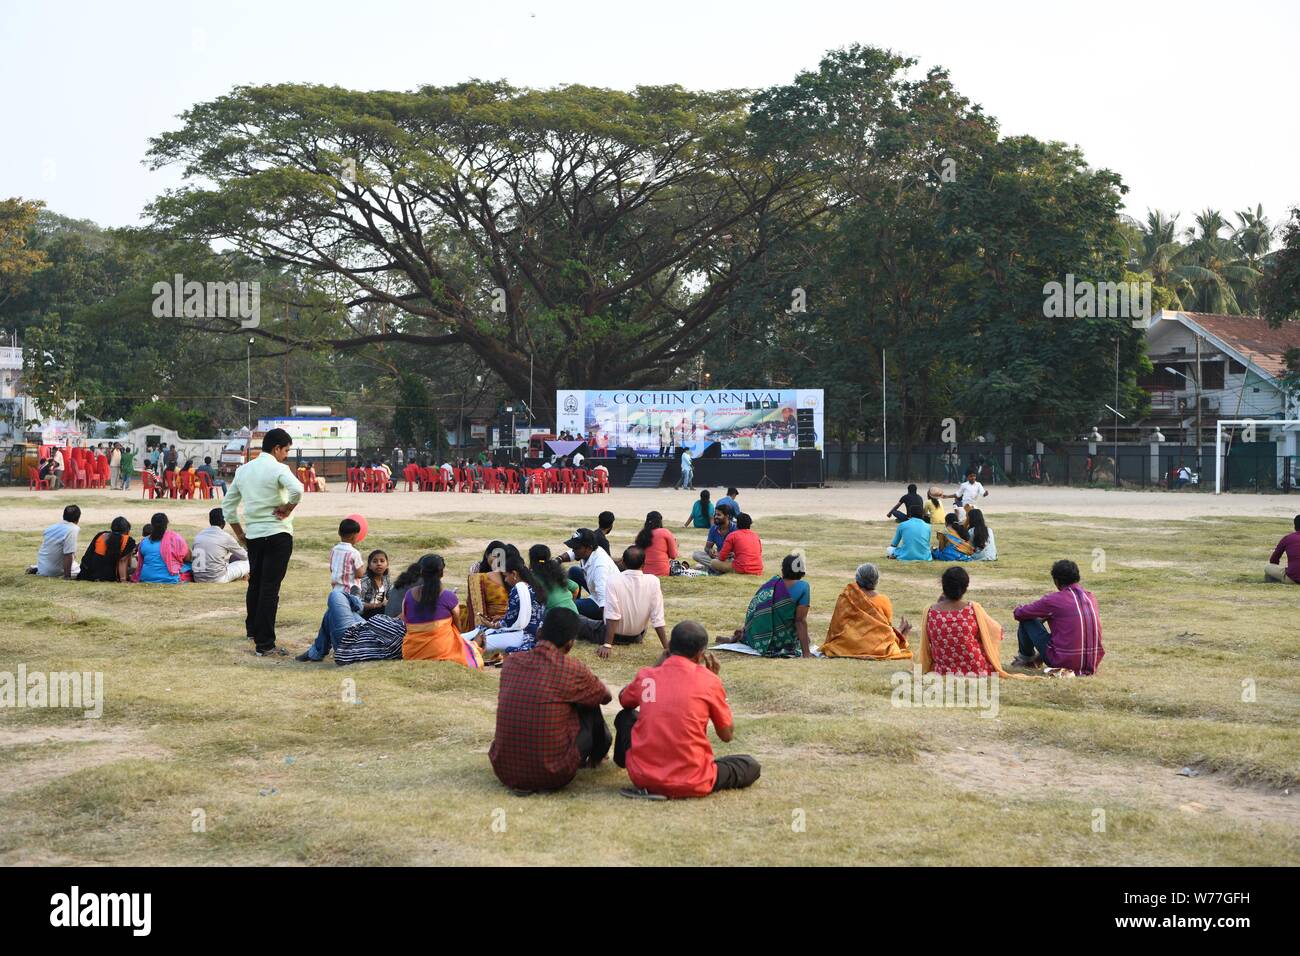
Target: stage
<point>718,472</point>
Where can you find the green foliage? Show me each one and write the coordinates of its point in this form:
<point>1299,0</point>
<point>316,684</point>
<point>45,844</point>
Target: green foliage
<point>191,423</point>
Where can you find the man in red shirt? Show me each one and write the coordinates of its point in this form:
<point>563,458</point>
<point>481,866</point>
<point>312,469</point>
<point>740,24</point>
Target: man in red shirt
<point>665,746</point>
<point>1290,546</point>
<point>548,712</point>
<point>742,552</point>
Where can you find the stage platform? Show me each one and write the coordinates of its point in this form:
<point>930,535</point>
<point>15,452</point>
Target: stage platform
<point>709,472</point>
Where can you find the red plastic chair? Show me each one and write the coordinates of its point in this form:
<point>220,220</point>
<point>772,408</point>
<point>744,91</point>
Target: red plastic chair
<point>204,484</point>
<point>512,482</point>
<point>148,484</point>
<point>34,480</point>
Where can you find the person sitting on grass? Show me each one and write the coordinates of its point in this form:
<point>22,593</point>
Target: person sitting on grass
<point>108,556</point>
<point>701,512</point>
<point>659,545</point>
<point>862,625</point>
<point>721,526</point>
<point>355,638</point>
<point>558,589</point>
<point>431,615</point>
<point>218,557</point>
<point>517,630</point>
<point>1290,546</point>
<point>549,722</point>
<point>661,736</point>
<point>742,552</point>
<point>980,536</point>
<point>729,502</point>
<point>932,508</point>
<point>1062,629</point>
<point>596,567</point>
<point>633,601</point>
<point>776,622</point>
<point>957,636</point>
<point>375,585</point>
<point>164,555</point>
<point>57,556</point>
<point>954,543</point>
<point>911,539</point>
<point>906,505</point>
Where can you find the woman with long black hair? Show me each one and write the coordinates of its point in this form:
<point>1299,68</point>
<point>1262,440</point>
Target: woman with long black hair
<point>432,617</point>
<point>659,545</point>
<point>554,585</point>
<point>517,631</point>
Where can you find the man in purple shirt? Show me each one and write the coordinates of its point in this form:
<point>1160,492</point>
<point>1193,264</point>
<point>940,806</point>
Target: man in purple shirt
<point>1290,546</point>
<point>1061,629</point>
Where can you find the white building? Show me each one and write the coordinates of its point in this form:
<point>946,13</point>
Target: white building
<point>1225,367</point>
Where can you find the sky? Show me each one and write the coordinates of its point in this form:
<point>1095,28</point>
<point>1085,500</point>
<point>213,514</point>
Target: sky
<point>1194,104</point>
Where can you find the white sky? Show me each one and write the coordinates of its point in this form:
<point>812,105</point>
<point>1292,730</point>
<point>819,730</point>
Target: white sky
<point>1194,104</point>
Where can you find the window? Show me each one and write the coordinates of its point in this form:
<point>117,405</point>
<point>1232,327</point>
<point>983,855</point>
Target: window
<point>1211,375</point>
<point>1235,367</point>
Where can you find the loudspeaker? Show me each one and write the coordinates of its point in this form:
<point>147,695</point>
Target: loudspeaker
<point>625,454</point>
<point>807,468</point>
<point>805,423</point>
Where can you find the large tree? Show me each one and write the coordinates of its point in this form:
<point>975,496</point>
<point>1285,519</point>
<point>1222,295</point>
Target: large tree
<point>572,236</point>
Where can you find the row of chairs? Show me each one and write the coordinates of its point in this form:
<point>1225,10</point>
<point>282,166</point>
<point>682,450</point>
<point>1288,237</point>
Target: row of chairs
<point>496,480</point>
<point>184,484</point>
<point>74,477</point>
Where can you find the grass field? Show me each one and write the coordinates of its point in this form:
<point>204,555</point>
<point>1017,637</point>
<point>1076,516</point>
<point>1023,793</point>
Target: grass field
<point>279,768</point>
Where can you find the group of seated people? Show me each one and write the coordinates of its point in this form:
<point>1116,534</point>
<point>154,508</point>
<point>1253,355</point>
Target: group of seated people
<point>160,556</point>
<point>186,481</point>
<point>925,532</point>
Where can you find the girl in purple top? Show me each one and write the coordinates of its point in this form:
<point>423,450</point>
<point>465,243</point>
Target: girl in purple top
<point>1074,639</point>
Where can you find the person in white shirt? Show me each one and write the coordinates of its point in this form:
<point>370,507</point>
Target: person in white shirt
<point>57,557</point>
<point>597,569</point>
<point>346,563</point>
<point>577,459</point>
<point>969,492</point>
<point>688,479</point>
<point>633,601</point>
<point>217,556</point>
<point>115,466</point>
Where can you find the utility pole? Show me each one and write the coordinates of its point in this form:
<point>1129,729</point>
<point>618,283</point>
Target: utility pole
<point>1198,405</point>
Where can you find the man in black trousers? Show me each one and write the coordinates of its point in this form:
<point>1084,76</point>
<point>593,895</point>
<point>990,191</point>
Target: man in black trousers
<point>269,491</point>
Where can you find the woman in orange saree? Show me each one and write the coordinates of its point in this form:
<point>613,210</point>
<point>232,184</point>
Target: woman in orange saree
<point>487,597</point>
<point>862,625</point>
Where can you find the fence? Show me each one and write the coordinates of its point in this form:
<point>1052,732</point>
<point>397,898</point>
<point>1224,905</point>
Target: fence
<point>1254,467</point>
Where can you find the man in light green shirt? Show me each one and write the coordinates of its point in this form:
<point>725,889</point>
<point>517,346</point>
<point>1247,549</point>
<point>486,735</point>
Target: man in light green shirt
<point>269,491</point>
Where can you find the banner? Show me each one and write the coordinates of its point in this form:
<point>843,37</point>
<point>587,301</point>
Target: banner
<point>747,423</point>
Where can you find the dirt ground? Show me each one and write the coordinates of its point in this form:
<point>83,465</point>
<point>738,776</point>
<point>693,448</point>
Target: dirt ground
<point>859,501</point>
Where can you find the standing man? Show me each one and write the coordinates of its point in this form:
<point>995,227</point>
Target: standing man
<point>171,457</point>
<point>688,477</point>
<point>269,492</point>
<point>127,466</point>
<point>115,466</point>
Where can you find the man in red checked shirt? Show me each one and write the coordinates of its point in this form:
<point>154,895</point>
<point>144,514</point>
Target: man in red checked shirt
<point>665,744</point>
<point>548,712</point>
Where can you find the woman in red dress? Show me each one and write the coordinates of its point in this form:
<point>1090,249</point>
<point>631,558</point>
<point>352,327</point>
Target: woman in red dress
<point>958,637</point>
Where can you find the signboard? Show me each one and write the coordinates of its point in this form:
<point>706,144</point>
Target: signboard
<point>747,423</point>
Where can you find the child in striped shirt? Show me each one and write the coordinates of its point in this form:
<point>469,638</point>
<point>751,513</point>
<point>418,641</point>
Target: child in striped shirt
<point>346,564</point>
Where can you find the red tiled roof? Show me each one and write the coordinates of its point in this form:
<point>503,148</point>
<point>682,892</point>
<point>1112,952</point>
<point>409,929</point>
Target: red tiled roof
<point>1252,336</point>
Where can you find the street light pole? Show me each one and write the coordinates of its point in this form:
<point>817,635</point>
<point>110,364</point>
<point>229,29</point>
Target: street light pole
<point>249,389</point>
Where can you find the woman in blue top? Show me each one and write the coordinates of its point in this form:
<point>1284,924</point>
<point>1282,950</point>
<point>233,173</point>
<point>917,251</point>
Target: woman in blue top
<point>701,512</point>
<point>164,555</point>
<point>776,623</point>
<point>517,631</point>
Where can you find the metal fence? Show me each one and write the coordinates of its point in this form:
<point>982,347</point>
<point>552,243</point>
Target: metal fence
<point>1257,467</point>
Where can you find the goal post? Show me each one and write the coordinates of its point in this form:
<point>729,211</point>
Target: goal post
<point>1218,440</point>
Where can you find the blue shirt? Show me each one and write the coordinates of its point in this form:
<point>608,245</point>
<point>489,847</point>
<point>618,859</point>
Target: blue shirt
<point>801,593</point>
<point>729,502</point>
<point>912,540</point>
<point>716,537</point>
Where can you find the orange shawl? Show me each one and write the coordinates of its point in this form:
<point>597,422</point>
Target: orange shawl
<point>990,636</point>
<point>440,641</point>
<point>488,601</point>
<point>862,627</point>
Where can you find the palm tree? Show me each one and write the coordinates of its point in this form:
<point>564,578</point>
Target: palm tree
<point>1254,237</point>
<point>1157,254</point>
<point>1221,278</point>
